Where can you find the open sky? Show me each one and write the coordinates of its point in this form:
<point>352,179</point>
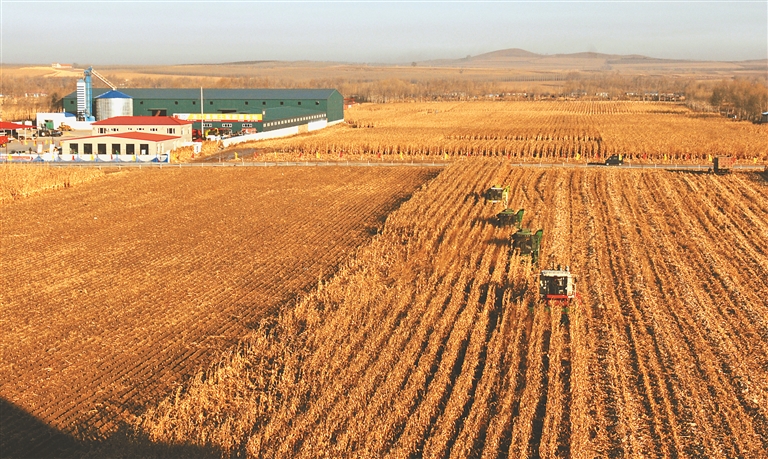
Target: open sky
<point>108,32</point>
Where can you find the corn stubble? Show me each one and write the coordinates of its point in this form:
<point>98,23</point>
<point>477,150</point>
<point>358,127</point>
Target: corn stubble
<point>431,342</point>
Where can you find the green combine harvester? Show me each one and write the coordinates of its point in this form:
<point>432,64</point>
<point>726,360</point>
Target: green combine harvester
<point>497,193</point>
<point>526,242</point>
<point>508,217</point>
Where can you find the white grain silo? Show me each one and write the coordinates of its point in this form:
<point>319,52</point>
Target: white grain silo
<point>113,103</point>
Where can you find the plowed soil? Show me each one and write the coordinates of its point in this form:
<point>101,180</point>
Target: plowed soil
<point>114,292</point>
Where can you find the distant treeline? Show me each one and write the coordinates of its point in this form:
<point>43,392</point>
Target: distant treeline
<point>741,98</point>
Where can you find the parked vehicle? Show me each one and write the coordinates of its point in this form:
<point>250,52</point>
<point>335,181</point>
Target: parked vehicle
<point>614,160</point>
<point>49,133</point>
<point>723,164</point>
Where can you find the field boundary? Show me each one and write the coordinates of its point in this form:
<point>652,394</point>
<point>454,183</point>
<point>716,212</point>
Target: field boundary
<point>666,167</point>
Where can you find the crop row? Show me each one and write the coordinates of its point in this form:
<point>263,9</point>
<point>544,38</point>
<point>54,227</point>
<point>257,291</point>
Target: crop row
<point>556,131</point>
<point>432,340</point>
<point>119,290</point>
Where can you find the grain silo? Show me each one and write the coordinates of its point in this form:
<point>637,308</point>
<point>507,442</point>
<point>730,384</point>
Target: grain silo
<point>113,103</point>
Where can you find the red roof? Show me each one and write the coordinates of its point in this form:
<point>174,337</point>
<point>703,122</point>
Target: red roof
<point>133,135</point>
<point>142,121</point>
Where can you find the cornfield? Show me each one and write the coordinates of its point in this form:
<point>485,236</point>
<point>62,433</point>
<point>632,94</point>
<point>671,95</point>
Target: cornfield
<point>432,342</point>
<point>545,131</point>
<point>19,180</point>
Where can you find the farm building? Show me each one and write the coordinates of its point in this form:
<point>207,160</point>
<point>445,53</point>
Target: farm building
<point>121,143</point>
<point>236,109</point>
<point>166,125</point>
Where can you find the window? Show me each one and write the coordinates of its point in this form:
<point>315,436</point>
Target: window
<point>176,102</point>
<point>102,130</point>
<point>247,125</point>
<point>281,102</point>
<point>144,148</point>
<point>227,110</point>
<point>141,102</point>
<point>205,125</point>
<point>73,148</point>
<point>153,129</point>
<point>263,103</point>
<point>171,130</point>
<point>317,102</point>
<point>159,112</point>
<point>246,102</point>
<point>88,148</point>
<point>101,148</point>
<point>210,102</point>
<point>139,129</point>
<point>299,102</point>
<point>130,149</point>
<point>114,129</point>
<point>226,125</point>
<point>116,149</point>
<point>194,102</point>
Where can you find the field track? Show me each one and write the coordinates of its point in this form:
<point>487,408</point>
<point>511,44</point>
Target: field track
<point>431,342</point>
<point>115,291</point>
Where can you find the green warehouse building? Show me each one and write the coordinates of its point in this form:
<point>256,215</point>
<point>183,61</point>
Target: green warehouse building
<point>254,110</point>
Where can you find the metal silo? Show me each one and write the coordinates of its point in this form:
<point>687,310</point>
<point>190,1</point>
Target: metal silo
<point>113,103</point>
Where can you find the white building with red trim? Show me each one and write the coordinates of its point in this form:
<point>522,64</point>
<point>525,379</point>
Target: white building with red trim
<point>162,125</point>
<point>119,144</point>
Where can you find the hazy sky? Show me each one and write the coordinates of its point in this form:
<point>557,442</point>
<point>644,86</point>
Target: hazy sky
<point>178,32</point>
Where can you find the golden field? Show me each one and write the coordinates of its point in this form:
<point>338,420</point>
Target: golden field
<point>344,312</point>
<point>535,131</point>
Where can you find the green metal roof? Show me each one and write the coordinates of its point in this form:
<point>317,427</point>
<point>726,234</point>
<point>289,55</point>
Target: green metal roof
<point>220,94</point>
<point>281,113</point>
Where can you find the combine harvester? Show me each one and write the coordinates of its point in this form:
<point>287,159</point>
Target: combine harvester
<point>497,193</point>
<point>557,286</point>
<point>510,217</point>
<point>526,242</point>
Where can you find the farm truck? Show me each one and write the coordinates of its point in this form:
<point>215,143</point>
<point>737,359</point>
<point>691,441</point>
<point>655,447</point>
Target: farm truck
<point>722,164</point>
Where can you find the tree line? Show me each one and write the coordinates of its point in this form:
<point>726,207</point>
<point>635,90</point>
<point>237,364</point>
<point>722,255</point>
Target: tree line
<point>741,98</point>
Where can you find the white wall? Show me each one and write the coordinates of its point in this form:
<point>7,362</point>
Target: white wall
<point>285,132</point>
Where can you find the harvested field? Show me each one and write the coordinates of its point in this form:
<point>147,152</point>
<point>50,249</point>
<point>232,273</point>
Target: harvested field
<point>431,341</point>
<point>116,290</point>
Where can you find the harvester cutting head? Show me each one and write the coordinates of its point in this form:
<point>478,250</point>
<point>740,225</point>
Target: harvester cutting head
<point>497,193</point>
<point>526,242</point>
<point>508,217</point>
<point>557,284</point>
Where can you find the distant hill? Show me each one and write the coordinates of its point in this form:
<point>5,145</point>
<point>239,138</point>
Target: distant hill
<point>521,59</point>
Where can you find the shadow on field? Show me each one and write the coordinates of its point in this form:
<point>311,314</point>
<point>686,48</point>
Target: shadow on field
<point>25,436</point>
<point>690,171</point>
<point>499,241</point>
